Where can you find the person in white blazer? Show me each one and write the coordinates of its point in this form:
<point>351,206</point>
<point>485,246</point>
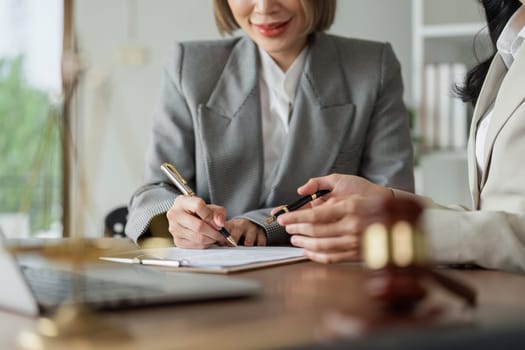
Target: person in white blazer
<point>492,233</point>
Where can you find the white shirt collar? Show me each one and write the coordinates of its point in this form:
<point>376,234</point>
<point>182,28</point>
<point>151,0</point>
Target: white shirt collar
<point>281,83</point>
<point>277,93</point>
<point>512,36</point>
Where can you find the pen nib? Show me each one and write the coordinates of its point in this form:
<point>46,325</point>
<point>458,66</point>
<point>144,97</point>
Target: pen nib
<point>232,241</point>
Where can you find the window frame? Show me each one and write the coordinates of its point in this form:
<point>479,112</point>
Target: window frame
<point>68,87</point>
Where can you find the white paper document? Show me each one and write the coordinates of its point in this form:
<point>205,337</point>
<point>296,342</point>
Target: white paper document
<point>214,259</point>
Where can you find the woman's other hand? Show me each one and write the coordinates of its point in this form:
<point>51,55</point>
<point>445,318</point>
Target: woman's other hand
<point>252,234</point>
<point>343,185</point>
<point>330,230</point>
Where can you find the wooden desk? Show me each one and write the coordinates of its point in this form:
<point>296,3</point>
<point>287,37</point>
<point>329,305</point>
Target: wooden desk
<point>298,304</point>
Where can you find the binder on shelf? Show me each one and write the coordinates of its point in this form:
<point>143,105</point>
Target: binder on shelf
<point>459,110</point>
<point>428,109</point>
<point>444,102</point>
<point>443,119</point>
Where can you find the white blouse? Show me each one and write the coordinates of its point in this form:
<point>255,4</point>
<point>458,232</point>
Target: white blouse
<point>277,95</point>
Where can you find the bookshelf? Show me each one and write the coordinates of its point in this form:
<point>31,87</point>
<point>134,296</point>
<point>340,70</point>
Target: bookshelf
<point>443,36</point>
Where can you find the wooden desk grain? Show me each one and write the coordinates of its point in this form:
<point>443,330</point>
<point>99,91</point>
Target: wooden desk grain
<point>298,306</point>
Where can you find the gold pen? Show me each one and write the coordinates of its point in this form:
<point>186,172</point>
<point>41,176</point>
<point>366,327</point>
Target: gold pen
<point>173,174</point>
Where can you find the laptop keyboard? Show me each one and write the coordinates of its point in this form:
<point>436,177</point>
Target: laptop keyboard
<point>52,287</point>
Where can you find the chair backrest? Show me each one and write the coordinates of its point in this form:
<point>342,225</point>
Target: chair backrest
<point>115,222</point>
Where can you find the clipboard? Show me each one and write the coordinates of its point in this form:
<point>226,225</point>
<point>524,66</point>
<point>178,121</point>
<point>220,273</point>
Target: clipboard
<point>219,260</point>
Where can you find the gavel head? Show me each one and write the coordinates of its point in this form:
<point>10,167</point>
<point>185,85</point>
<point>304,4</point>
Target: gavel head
<point>393,249</point>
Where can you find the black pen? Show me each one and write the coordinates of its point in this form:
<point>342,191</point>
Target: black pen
<point>297,204</point>
<point>173,174</point>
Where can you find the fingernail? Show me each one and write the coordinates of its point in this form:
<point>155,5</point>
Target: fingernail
<point>282,219</point>
<point>291,228</point>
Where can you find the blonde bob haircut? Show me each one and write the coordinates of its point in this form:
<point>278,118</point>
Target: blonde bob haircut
<point>319,15</point>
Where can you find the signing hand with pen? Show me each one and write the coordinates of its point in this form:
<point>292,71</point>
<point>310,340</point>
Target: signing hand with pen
<point>194,232</point>
<point>195,224</point>
<point>330,229</point>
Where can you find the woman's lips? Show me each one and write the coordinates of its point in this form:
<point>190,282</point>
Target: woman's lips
<point>272,29</point>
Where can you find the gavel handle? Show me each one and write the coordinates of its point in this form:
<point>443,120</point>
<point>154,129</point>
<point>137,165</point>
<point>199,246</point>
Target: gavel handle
<point>455,286</point>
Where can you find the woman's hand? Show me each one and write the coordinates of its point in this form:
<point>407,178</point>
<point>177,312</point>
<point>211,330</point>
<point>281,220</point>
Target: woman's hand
<point>195,224</point>
<point>252,233</point>
<point>329,232</point>
<point>343,185</point>
<point>330,229</point>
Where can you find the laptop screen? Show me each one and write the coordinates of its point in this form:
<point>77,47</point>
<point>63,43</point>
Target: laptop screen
<point>35,287</point>
<point>15,293</point>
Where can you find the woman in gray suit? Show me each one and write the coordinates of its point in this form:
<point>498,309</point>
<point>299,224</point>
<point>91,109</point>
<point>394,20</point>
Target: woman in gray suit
<point>248,119</point>
<point>491,235</point>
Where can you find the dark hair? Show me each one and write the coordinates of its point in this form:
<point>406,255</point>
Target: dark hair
<point>497,13</point>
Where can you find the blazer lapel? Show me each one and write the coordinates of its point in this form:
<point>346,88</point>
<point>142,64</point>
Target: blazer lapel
<point>230,132</point>
<point>487,96</point>
<point>510,96</point>
<point>320,119</point>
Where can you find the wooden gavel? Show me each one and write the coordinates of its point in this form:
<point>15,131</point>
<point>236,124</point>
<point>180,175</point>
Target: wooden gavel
<point>394,251</point>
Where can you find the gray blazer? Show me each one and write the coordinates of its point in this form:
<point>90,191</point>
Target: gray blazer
<point>348,117</point>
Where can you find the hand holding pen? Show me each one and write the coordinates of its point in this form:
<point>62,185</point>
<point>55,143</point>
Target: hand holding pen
<point>193,223</point>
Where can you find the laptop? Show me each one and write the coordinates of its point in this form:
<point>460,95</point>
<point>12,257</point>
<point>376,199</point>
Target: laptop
<point>32,287</point>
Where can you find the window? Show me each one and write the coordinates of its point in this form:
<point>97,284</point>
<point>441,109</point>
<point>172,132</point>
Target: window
<point>31,33</point>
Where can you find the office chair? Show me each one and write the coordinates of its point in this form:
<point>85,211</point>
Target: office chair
<point>115,222</point>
